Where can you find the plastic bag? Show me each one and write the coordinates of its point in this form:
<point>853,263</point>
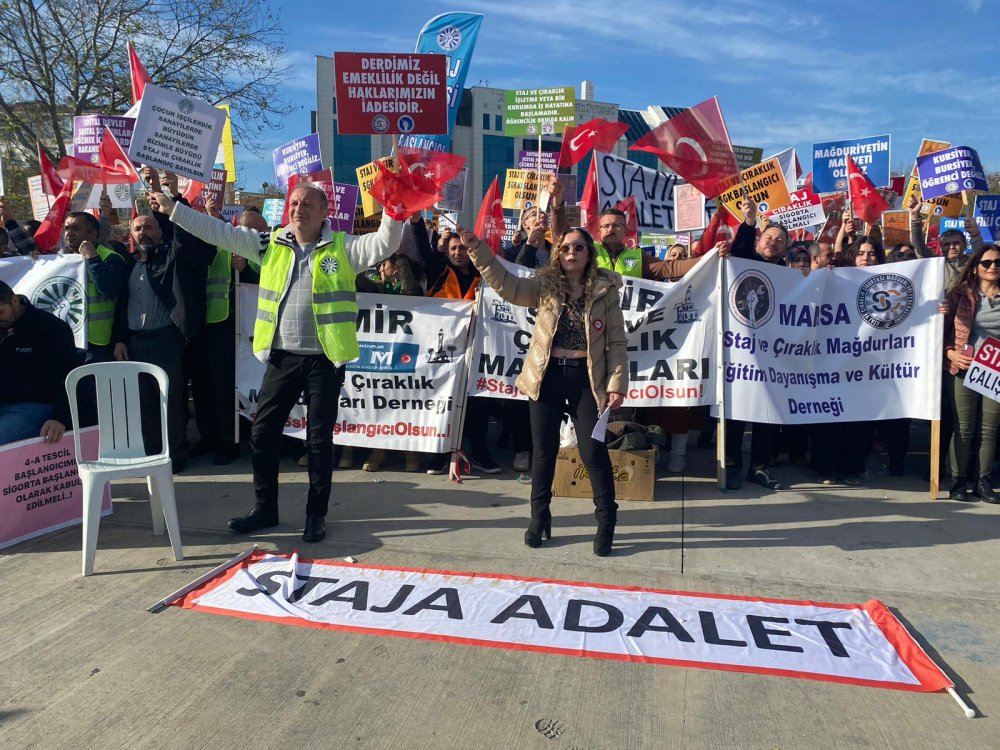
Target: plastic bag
<point>567,434</point>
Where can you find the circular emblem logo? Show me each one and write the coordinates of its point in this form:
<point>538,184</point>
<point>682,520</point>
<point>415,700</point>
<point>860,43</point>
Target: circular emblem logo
<point>885,300</point>
<point>969,184</point>
<point>951,187</point>
<point>63,297</point>
<point>840,184</point>
<point>123,192</point>
<point>598,325</point>
<point>763,206</point>
<point>405,124</point>
<point>629,263</point>
<point>938,210</point>
<point>329,266</point>
<point>380,123</point>
<point>406,359</point>
<point>532,129</point>
<point>449,38</point>
<point>95,158</point>
<point>751,299</point>
<point>186,106</point>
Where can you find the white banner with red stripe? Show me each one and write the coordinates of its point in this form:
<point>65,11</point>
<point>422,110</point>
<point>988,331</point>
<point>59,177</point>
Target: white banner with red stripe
<point>851,643</point>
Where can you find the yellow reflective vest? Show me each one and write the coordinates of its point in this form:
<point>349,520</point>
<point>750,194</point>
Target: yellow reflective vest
<point>100,309</point>
<point>629,262</point>
<point>217,290</point>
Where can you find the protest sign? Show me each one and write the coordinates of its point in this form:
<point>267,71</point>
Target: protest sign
<point>215,189</point>
<point>341,199</point>
<point>830,162</point>
<point>763,183</point>
<point>88,195</point>
<point>805,209</point>
<point>532,112</point>
<point>951,171</point>
<point>946,205</point>
<point>41,486</point>
<point>895,228</point>
<point>787,161</point>
<point>568,181</point>
<point>689,204</point>
<point>510,227</point>
<point>300,156</point>
<point>89,129</point>
<point>273,210</point>
<point>521,188</point>
<point>177,133</point>
<point>529,160</point>
<point>839,345</point>
<point>747,156</point>
<point>232,212</point>
<point>365,224</point>
<point>453,193</point>
<point>54,283</point>
<point>986,212</point>
<point>983,375</point>
<point>366,176</point>
<point>862,644</point>
<point>956,225</point>
<point>390,92</point>
<point>40,203</point>
<point>670,329</point>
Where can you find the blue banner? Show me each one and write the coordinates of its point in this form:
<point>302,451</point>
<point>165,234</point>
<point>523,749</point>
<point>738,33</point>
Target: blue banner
<point>454,35</point>
<point>957,225</point>
<point>830,162</point>
<point>987,216</point>
<point>951,171</point>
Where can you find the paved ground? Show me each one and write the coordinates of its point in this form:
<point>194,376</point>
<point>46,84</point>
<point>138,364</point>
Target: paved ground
<point>83,665</point>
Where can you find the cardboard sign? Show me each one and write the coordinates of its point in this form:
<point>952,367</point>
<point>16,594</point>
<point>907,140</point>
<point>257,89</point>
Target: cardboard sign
<point>634,473</point>
<point>689,205</point>
<point>830,162</point>
<point>987,215</point>
<point>366,176</point>
<point>177,133</point>
<point>763,183</point>
<point>983,375</point>
<point>530,112</point>
<point>951,171</point>
<point>453,193</point>
<point>300,156</point>
<point>895,228</point>
<point>273,210</point>
<point>529,160</point>
<point>804,210</point>
<point>389,92</point>
<point>88,130</point>
<point>365,224</point>
<point>747,156</point>
<point>521,188</point>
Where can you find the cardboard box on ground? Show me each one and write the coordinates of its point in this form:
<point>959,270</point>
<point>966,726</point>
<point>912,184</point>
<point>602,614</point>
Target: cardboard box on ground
<point>634,472</point>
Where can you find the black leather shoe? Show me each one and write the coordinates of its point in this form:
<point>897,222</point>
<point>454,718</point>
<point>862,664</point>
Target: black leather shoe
<point>538,528</point>
<point>960,491</point>
<point>255,519</point>
<point>984,488</point>
<point>315,529</point>
<point>603,538</point>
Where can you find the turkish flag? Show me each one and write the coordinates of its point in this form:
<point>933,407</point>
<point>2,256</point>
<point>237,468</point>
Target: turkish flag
<point>192,191</point>
<point>589,207</point>
<point>402,193</point>
<point>596,135</point>
<point>490,224</point>
<point>113,157</point>
<point>430,167</point>
<point>72,169</point>
<point>722,226</point>
<point>631,221</point>
<point>695,144</point>
<point>807,184</point>
<point>138,74</point>
<point>47,236</point>
<point>51,182</point>
<point>867,202</point>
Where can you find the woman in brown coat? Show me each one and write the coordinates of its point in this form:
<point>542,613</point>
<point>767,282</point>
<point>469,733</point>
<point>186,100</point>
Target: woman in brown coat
<point>576,363</point>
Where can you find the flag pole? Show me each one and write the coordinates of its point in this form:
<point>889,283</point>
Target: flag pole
<point>720,386</point>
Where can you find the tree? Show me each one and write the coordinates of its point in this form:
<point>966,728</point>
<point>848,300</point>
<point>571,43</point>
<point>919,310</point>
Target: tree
<point>62,58</point>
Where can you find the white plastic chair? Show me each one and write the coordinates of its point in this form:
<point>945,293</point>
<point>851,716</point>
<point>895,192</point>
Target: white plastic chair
<point>121,454</point>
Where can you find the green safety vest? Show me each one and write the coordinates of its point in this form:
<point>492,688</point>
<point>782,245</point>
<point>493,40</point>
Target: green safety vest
<point>100,309</point>
<point>217,290</point>
<point>629,262</point>
<point>335,302</point>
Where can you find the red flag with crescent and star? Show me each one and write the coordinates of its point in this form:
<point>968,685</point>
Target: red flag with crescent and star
<point>631,221</point>
<point>138,74</point>
<point>490,224</point>
<point>596,135</point>
<point>418,184</point>
<point>722,226</point>
<point>51,182</point>
<point>695,144</point>
<point>867,202</point>
<point>590,208</point>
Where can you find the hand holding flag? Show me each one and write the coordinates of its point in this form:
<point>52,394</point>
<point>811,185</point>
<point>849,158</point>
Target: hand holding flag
<point>490,223</point>
<point>596,135</point>
<point>867,202</point>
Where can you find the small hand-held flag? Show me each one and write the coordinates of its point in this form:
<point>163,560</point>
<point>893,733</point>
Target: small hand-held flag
<point>490,224</point>
<point>867,202</point>
<point>596,135</point>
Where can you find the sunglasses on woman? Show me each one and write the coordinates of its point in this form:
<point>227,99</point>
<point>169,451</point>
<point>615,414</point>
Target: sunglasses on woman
<point>988,263</point>
<point>576,247</point>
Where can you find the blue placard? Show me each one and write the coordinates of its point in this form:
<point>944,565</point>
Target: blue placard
<point>454,35</point>
<point>830,162</point>
<point>951,171</point>
<point>300,156</point>
<point>987,216</point>
<point>274,209</point>
<point>957,225</point>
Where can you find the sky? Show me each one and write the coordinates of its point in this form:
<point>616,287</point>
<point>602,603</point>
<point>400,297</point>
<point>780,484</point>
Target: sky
<point>787,73</point>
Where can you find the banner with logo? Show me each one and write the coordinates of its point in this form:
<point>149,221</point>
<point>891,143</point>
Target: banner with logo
<point>862,644</point>
<point>88,130</point>
<point>945,205</point>
<point>402,391</point>
<point>41,489</point>
<point>830,162</point>
<point>54,283</point>
<point>532,112</point>
<point>987,215</point>
<point>670,328</point>
<point>521,188</point>
<point>454,36</point>
<point>88,195</point>
<point>300,156</point>
<point>805,209</point>
<point>839,345</point>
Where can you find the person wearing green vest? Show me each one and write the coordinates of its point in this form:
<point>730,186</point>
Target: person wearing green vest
<point>305,332</point>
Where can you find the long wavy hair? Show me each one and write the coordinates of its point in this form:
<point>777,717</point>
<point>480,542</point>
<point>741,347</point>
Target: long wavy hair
<point>555,286</point>
<point>968,274</point>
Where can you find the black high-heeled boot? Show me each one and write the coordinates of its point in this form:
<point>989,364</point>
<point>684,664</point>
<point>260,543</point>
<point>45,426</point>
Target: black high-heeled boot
<point>538,527</point>
<point>603,538</point>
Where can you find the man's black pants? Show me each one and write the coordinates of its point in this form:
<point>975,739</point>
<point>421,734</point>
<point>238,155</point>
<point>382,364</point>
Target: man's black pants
<point>163,347</point>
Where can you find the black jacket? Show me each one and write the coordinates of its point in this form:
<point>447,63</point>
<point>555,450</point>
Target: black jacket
<point>35,357</point>
<point>745,243</point>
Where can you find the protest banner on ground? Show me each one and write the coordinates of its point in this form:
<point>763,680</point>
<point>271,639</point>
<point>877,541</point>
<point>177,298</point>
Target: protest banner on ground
<point>895,228</point>
<point>532,112</point>
<point>178,133</point>
<point>366,176</point>
<point>983,375</point>
<point>843,344</point>
<point>946,205</point>
<point>273,210</point>
<point>40,203</point>
<point>521,188</point>
<point>41,486</point>
<point>391,92</point>
<point>861,644</point>
<point>671,335</point>
<point>54,283</point>
<point>529,160</point>
<point>88,130</point>
<point>951,171</point>
<point>830,162</point>
<point>453,193</point>
<point>747,156</point>
<point>763,183</point>
<point>402,392</point>
<point>300,156</point>
<point>689,205</point>
<point>987,215</point>
<point>804,210</point>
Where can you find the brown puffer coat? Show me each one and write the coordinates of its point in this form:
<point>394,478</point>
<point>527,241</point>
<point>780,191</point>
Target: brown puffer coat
<point>607,358</point>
